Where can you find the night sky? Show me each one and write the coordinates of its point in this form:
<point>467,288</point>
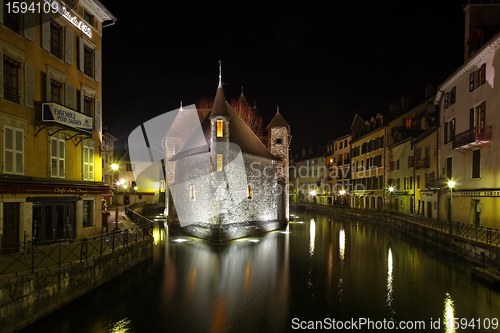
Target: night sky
<point>320,63</point>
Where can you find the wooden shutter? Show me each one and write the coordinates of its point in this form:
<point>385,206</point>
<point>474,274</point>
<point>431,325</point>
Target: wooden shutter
<point>54,157</point>
<point>8,158</point>
<point>85,163</point>
<point>19,152</point>
<point>29,25</point>
<point>91,164</point>
<point>1,14</point>
<point>97,65</point>
<point>81,54</point>
<point>97,115</point>
<point>48,87</point>
<point>45,31</point>
<point>29,87</point>
<point>62,158</point>
<point>1,70</point>
<point>70,41</point>
<point>70,96</point>
<point>483,74</point>
<point>471,81</point>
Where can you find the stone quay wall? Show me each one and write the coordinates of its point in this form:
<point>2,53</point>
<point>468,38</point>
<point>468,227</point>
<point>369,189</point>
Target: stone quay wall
<point>26,297</point>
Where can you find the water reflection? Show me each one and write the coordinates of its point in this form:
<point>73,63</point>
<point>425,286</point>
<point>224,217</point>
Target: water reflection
<point>449,314</point>
<point>211,288</point>
<point>312,236</point>
<point>389,298</point>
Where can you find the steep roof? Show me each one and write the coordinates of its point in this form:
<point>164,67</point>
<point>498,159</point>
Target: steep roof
<point>239,132</point>
<point>278,121</point>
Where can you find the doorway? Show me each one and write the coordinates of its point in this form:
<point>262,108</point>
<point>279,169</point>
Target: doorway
<point>10,243</point>
<point>53,221</point>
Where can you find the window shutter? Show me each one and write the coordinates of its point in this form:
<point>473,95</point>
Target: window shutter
<point>19,151</point>
<point>97,65</point>
<point>97,115</point>
<point>471,81</point>
<point>29,74</point>
<point>46,31</point>
<point>62,158</point>
<point>1,68</point>
<point>82,106</point>
<point>29,25</point>
<point>48,88</point>
<point>8,160</point>
<point>70,41</point>
<point>483,74</point>
<point>91,164</point>
<point>81,54</point>
<point>71,96</point>
<point>53,157</point>
<point>1,14</point>
<point>85,163</point>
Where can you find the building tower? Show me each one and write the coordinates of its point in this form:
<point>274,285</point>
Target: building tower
<point>278,143</point>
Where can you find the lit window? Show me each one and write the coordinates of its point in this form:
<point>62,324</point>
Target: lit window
<point>219,128</point>
<point>249,191</point>
<point>219,162</point>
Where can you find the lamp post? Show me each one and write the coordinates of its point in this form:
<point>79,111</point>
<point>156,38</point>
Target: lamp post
<point>391,189</point>
<point>114,167</point>
<point>451,185</point>
<point>135,194</point>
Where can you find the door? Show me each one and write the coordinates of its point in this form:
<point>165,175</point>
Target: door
<point>10,243</point>
<point>476,212</point>
<point>429,209</point>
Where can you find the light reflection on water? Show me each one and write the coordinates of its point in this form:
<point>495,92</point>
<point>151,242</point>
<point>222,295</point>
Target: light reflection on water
<point>322,268</point>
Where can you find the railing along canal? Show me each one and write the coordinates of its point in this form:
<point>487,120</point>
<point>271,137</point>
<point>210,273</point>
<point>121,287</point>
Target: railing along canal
<point>475,233</point>
<point>34,256</point>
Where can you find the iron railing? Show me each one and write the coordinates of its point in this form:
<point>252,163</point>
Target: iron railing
<point>33,256</point>
<point>472,137</point>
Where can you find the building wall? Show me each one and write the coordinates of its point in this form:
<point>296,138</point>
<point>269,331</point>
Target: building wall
<point>194,194</point>
<point>401,178</point>
<point>465,200</point>
<point>43,176</point>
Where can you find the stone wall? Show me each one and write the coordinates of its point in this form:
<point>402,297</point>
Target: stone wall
<point>28,297</point>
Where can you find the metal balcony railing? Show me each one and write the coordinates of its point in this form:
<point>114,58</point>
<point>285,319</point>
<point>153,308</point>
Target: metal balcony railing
<point>422,163</point>
<point>472,138</point>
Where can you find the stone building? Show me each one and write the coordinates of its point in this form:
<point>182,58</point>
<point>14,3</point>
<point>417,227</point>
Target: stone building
<point>50,117</point>
<point>223,182</point>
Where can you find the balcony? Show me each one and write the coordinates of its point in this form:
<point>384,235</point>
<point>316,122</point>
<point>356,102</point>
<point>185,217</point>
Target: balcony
<point>473,137</point>
<point>422,163</point>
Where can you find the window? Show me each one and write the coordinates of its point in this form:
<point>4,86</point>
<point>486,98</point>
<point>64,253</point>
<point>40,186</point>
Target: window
<point>11,69</point>
<point>249,192</point>
<point>408,123</point>
<point>220,125</point>
<point>449,131</point>
<point>476,163</point>
<point>453,97</point>
<point>449,168</point>
<point>89,61</point>
<point>13,150</point>
<point>279,141</point>
<point>57,157</point>
<point>471,81</point>
<point>88,213</point>
<point>55,89</point>
<point>87,105</point>
<point>88,163</point>
<point>219,162</point>
<point>418,182</point>
<point>56,39</point>
<point>191,192</point>
<point>446,100</point>
<point>88,17</point>
<point>477,116</point>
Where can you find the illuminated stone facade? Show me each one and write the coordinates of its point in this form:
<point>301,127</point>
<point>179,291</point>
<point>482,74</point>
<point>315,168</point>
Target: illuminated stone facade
<point>225,186</point>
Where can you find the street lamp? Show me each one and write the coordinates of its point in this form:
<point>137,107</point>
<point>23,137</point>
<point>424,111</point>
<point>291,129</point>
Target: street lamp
<point>135,192</point>
<point>391,189</point>
<point>451,185</point>
<point>114,167</point>
<point>342,193</point>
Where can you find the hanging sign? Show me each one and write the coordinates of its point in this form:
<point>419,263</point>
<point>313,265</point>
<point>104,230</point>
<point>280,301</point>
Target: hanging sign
<point>57,113</point>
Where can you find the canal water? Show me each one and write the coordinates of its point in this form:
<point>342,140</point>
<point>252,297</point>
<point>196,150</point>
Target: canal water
<point>322,272</point>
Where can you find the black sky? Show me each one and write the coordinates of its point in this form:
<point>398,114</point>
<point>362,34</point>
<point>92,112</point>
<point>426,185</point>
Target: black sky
<point>320,63</point>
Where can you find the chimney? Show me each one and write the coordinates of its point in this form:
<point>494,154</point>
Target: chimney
<point>481,21</point>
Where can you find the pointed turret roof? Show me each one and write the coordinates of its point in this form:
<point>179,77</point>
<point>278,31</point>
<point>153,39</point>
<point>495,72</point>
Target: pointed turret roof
<point>240,133</point>
<point>220,107</point>
<point>278,121</point>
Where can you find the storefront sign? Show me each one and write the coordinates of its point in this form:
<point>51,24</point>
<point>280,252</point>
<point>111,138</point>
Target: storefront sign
<point>80,24</point>
<point>57,113</point>
<point>494,193</point>
<point>69,190</point>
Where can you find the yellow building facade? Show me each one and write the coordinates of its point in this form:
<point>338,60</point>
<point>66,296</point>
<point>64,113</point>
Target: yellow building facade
<point>50,115</point>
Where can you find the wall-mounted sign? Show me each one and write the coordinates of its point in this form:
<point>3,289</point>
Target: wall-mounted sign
<point>52,112</point>
<point>493,193</point>
<point>80,24</point>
